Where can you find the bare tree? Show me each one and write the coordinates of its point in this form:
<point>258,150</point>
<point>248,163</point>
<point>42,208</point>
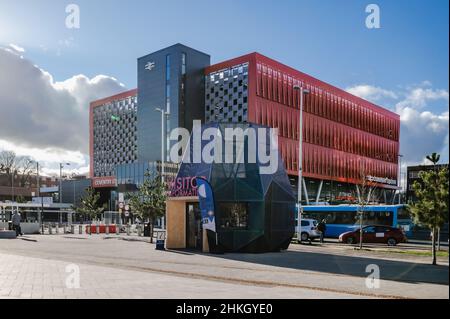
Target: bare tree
<point>20,166</point>
<point>365,195</point>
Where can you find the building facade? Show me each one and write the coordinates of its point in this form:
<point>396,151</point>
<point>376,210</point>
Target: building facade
<point>113,135</point>
<point>413,175</point>
<point>170,79</point>
<point>345,137</point>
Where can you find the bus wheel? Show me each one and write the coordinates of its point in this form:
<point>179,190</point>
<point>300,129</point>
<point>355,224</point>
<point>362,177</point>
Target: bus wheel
<point>350,240</point>
<point>304,236</point>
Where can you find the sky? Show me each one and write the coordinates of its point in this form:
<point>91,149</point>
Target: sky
<point>49,73</point>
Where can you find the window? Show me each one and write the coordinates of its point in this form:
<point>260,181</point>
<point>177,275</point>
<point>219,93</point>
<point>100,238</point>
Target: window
<point>233,215</point>
<point>305,223</point>
<point>369,230</point>
<point>168,67</point>
<point>183,63</point>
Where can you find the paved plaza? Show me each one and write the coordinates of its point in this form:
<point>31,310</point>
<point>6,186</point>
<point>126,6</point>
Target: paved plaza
<point>113,266</point>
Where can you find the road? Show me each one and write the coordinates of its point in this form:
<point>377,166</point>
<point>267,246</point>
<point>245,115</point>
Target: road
<point>120,266</point>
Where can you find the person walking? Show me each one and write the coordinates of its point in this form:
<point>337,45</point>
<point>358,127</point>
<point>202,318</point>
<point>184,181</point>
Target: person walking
<point>322,227</point>
<point>16,219</point>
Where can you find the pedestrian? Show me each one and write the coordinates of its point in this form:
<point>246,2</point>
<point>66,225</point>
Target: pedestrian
<point>322,227</point>
<point>16,218</point>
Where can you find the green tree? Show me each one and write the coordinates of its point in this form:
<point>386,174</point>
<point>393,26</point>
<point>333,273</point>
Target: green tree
<point>149,202</point>
<point>20,199</point>
<point>89,207</point>
<point>434,158</point>
<point>431,207</point>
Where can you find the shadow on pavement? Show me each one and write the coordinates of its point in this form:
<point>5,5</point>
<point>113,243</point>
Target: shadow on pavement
<point>347,265</point>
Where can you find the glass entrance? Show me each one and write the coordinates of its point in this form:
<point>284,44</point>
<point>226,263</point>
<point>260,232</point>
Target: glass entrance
<point>194,232</point>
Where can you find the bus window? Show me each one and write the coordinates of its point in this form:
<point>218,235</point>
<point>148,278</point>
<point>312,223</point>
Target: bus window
<point>378,218</point>
<point>403,213</point>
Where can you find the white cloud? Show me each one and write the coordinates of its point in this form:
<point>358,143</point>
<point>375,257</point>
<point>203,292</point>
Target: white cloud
<point>423,129</point>
<point>16,48</point>
<point>371,93</point>
<point>45,118</point>
<point>419,97</point>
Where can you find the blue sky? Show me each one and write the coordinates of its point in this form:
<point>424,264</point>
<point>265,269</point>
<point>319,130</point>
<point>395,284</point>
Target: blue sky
<point>326,39</point>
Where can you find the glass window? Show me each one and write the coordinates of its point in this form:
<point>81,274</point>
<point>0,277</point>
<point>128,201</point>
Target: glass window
<point>233,215</point>
<point>369,230</point>
<point>183,63</point>
<point>168,67</point>
<point>305,223</point>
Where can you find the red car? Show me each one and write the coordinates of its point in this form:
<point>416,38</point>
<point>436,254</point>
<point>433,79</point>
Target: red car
<point>375,234</point>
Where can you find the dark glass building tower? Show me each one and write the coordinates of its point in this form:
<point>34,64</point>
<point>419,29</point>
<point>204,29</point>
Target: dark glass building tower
<point>171,79</point>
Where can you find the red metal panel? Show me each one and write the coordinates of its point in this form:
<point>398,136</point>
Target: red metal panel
<point>345,131</point>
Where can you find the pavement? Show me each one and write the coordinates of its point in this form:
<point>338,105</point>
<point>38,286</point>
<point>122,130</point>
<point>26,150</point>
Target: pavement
<point>111,266</point>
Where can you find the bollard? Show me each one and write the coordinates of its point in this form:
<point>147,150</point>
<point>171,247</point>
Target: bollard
<point>90,229</point>
<point>49,229</point>
<point>80,229</point>
<point>117,229</point>
<point>57,229</point>
<point>107,229</point>
<point>139,232</point>
<point>128,230</point>
<point>64,229</point>
<point>72,229</point>
<point>42,229</point>
<point>97,229</point>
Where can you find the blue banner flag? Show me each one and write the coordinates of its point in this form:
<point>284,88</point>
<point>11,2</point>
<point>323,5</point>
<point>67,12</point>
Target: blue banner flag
<point>206,203</point>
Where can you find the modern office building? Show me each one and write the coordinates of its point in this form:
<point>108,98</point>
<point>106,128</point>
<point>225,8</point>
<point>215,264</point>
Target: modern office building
<point>113,134</point>
<point>413,175</point>
<point>113,139</point>
<point>172,80</point>
<point>345,137</point>
<point>125,129</point>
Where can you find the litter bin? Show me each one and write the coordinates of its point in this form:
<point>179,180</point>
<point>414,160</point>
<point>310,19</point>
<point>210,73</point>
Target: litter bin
<point>10,225</point>
<point>160,240</point>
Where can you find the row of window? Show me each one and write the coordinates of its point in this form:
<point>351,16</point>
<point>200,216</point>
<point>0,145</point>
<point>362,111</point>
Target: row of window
<point>320,161</point>
<point>279,87</point>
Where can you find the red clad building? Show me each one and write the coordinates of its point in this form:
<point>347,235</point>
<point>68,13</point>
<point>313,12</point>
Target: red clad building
<point>344,136</point>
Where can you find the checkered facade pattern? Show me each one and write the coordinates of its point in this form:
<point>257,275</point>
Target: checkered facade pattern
<point>226,98</point>
<point>114,134</point>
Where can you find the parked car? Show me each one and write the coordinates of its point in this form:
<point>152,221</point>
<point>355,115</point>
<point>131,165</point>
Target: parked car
<point>375,234</point>
<point>309,229</point>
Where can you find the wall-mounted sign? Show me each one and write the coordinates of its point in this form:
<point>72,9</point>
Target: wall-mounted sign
<point>381,180</point>
<point>150,66</point>
<point>99,182</point>
<point>184,187</point>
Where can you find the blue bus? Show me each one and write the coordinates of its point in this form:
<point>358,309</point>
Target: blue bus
<point>343,218</point>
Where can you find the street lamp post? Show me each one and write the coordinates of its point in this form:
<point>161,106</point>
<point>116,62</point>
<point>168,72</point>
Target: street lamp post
<point>12,184</point>
<point>399,178</point>
<point>302,92</point>
<point>163,137</point>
